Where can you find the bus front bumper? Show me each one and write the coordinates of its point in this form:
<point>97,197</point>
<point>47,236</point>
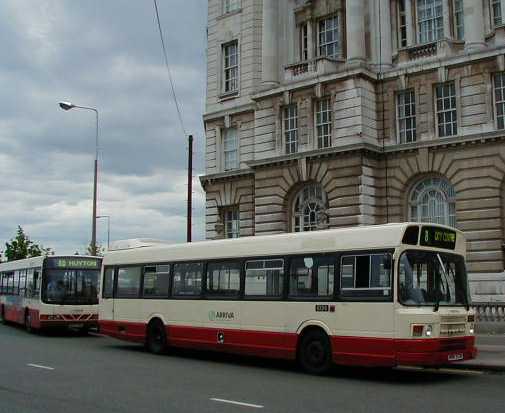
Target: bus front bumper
<point>435,351</point>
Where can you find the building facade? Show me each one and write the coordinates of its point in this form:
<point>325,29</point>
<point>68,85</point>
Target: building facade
<point>331,113</point>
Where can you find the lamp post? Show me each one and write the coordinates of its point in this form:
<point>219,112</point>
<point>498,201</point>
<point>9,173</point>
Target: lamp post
<point>67,106</point>
<point>108,228</point>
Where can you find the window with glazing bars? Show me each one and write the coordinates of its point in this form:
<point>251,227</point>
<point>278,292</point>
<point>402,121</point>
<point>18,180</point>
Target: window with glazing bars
<point>329,37</point>
<point>430,20</point>
<point>323,123</point>
<point>230,149</point>
<point>230,67</point>
<point>230,5</point>
<point>499,98</point>
<point>304,42</point>
<point>402,24</point>
<point>446,109</point>
<point>496,12</point>
<point>459,24</point>
<point>291,128</point>
<point>406,113</point>
<point>231,219</point>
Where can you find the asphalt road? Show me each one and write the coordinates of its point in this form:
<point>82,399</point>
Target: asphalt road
<point>71,373</point>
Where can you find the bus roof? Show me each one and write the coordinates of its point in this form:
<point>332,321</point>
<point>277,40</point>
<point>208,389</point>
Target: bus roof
<point>342,239</point>
<point>35,262</point>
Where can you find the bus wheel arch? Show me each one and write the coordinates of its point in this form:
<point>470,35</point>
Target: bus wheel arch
<point>156,337</point>
<point>314,349</point>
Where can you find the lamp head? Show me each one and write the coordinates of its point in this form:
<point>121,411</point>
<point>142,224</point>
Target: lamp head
<point>66,105</point>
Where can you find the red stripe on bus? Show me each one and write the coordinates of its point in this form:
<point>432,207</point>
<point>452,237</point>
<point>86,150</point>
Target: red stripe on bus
<point>363,351</point>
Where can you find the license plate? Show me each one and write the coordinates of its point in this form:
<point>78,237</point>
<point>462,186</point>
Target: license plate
<point>75,325</point>
<point>455,357</point>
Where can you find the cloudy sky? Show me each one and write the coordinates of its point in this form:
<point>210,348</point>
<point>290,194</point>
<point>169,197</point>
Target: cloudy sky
<point>103,54</point>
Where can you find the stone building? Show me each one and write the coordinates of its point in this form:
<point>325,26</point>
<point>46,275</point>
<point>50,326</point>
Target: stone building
<point>331,113</point>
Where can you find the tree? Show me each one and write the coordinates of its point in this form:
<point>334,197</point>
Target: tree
<point>22,247</point>
<point>99,250</point>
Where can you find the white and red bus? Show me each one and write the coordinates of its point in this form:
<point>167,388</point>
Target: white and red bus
<point>54,291</point>
<point>382,295</point>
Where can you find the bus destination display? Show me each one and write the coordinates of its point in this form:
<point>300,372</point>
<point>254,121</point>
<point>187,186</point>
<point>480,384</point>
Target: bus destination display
<point>74,263</point>
<point>438,237</point>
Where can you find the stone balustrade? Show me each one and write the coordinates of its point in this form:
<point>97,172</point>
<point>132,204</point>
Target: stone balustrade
<point>489,312</point>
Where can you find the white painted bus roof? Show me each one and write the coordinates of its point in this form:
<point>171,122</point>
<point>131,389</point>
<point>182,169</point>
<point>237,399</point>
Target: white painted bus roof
<point>34,262</point>
<point>342,239</point>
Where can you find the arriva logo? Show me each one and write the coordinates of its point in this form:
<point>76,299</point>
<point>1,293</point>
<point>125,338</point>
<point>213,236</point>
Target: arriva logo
<point>221,315</point>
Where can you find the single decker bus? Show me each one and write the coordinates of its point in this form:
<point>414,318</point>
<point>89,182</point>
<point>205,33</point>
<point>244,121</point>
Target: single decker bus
<point>53,291</point>
<point>383,295</point>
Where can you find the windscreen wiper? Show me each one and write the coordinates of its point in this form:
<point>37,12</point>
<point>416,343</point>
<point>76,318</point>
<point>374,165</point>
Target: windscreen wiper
<point>437,296</point>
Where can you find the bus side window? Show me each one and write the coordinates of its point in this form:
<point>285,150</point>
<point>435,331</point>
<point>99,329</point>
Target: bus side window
<point>311,276</point>
<point>128,282</point>
<point>223,278</point>
<point>367,275</point>
<point>187,279</point>
<point>108,283</point>
<point>264,278</point>
<point>36,283</point>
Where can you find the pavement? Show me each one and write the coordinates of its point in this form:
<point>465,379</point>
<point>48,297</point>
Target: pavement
<point>491,354</point>
<point>87,374</point>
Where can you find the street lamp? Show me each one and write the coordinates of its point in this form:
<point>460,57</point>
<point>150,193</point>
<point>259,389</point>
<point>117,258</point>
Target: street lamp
<point>108,228</point>
<point>67,106</point>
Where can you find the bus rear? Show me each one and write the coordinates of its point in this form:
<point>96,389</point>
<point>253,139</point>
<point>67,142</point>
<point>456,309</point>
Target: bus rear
<point>434,322</point>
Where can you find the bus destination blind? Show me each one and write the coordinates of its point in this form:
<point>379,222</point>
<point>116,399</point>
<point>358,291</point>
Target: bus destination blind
<point>438,237</point>
<point>74,263</point>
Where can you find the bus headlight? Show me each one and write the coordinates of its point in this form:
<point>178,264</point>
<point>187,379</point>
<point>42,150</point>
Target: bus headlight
<point>472,329</point>
<point>428,330</point>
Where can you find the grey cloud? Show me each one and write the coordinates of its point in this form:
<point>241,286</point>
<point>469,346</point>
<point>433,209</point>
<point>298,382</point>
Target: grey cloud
<point>108,55</point>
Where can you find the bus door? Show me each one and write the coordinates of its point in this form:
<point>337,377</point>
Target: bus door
<point>365,308</point>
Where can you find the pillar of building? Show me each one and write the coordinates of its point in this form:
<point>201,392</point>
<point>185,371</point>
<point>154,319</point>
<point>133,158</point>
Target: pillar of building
<point>446,11</point>
<point>474,25</point>
<point>386,46</point>
<point>355,28</point>
<point>502,11</point>
<point>269,45</point>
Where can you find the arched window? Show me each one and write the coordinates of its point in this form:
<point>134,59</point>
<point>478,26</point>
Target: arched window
<point>309,209</point>
<point>433,200</point>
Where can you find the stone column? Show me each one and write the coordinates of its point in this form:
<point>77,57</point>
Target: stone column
<point>311,52</point>
<point>474,25</point>
<point>269,45</point>
<point>411,40</point>
<point>502,11</point>
<point>447,19</point>
<point>384,13</point>
<point>355,28</point>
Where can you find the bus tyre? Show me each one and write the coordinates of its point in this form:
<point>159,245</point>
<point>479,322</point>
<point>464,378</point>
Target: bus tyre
<point>2,314</point>
<point>314,353</point>
<point>156,337</point>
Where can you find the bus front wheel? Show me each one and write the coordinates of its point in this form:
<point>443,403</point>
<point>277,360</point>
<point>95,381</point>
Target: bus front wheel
<point>314,353</point>
<point>156,337</point>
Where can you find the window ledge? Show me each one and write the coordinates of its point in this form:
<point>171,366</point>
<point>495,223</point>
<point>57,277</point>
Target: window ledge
<point>229,14</point>
<point>228,95</point>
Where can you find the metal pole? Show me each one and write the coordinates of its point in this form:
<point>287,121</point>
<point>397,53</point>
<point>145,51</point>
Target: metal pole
<point>68,106</point>
<point>108,233</point>
<point>190,187</point>
<point>95,179</point>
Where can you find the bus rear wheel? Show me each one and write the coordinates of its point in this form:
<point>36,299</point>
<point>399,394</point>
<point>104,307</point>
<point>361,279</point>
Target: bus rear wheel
<point>314,354</point>
<point>156,337</point>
